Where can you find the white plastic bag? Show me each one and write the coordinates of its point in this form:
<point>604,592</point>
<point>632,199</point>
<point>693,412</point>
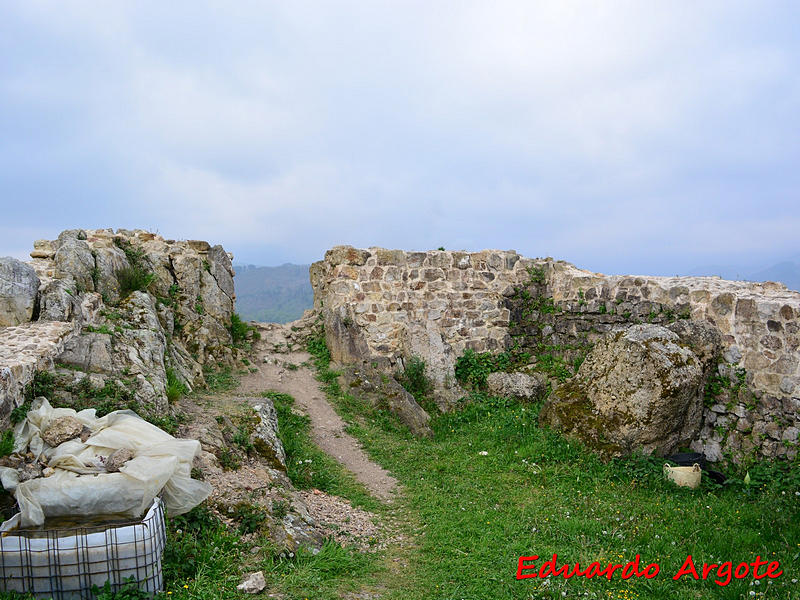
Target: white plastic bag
<point>81,486</point>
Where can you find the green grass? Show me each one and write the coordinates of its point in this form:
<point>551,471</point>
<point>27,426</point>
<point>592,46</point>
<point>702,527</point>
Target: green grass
<point>309,467</point>
<point>221,380</point>
<point>175,388</point>
<point>6,442</point>
<point>205,559</point>
<point>534,492</point>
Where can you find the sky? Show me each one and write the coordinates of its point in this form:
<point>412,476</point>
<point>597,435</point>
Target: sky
<point>625,137</point>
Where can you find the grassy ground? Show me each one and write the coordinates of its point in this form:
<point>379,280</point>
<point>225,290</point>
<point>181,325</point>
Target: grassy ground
<point>492,486</point>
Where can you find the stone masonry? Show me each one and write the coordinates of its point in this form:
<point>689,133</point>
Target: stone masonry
<point>388,305</point>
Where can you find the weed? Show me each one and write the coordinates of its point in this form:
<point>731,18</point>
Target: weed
<point>128,591</point>
<point>473,368</point>
<point>239,329</point>
<point>249,516</point>
<point>7,442</point>
<point>102,329</point>
<point>536,275</point>
<point>242,439</point>
<point>220,380</point>
<point>414,379</point>
<point>175,388</point>
<point>229,460</point>
<point>280,508</point>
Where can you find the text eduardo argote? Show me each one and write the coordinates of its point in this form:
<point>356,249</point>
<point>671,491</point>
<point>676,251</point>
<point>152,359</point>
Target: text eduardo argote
<point>722,573</point>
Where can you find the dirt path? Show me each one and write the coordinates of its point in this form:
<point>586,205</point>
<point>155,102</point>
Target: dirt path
<point>327,428</point>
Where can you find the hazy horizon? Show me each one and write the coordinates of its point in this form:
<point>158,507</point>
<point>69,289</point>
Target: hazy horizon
<point>622,137</point>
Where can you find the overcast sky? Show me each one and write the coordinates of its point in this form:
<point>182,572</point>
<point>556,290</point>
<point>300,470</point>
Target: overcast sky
<point>639,137</point>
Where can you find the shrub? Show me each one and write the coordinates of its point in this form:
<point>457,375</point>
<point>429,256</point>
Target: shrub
<point>136,276</point>
<point>472,368</point>
<point>414,379</point>
<point>175,388</point>
<point>239,329</point>
<point>133,279</point>
<point>7,443</point>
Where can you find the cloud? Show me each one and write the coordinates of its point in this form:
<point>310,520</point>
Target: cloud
<point>621,135</point>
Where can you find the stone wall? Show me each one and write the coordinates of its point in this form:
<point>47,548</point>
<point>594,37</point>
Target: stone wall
<point>387,305</point>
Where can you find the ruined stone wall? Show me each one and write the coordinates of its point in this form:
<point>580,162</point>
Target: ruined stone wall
<point>387,305</point>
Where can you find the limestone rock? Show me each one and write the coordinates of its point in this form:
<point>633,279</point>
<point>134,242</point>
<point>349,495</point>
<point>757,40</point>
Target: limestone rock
<point>74,261</point>
<point>109,260</point>
<point>117,459</point>
<point>640,388</point>
<point>254,583</point>
<point>61,430</point>
<point>18,287</point>
<point>57,302</point>
<point>265,437</point>
<point>384,391</point>
<point>519,386</point>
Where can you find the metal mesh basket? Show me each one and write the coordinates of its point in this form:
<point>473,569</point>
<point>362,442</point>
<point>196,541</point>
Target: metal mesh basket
<point>64,564</point>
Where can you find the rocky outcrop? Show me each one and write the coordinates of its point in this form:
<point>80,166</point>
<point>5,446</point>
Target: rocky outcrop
<point>638,389</point>
<point>518,386</point>
<point>137,307</point>
<point>251,481</point>
<point>265,435</point>
<point>24,350</point>
<point>18,288</point>
<point>383,391</point>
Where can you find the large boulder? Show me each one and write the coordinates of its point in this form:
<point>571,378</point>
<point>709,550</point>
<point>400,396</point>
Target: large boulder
<point>383,391</point>
<point>638,389</point>
<point>18,287</point>
<point>265,436</point>
<point>519,386</point>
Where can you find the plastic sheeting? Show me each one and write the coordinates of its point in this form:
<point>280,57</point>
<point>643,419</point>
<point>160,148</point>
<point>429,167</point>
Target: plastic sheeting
<point>81,487</point>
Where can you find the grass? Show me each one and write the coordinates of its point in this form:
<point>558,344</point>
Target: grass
<point>489,487</point>
<point>221,380</point>
<point>492,486</point>
<point>175,388</point>
<point>309,467</point>
<point>534,492</point>
<point>415,381</point>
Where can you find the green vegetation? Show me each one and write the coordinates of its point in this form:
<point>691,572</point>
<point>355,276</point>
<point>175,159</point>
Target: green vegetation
<point>102,329</point>
<point>7,443</point>
<point>129,591</point>
<point>205,560</point>
<point>492,486</point>
<point>415,381</point>
<point>137,276</point>
<point>472,368</point>
<point>220,380</point>
<point>250,517</point>
<point>717,384</point>
<point>309,467</point>
<point>241,332</point>
<point>175,388</point>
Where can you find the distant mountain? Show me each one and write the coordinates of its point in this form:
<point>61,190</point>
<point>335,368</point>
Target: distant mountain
<point>272,294</point>
<point>786,272</point>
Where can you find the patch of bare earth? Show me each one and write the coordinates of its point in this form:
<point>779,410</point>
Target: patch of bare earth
<point>281,367</point>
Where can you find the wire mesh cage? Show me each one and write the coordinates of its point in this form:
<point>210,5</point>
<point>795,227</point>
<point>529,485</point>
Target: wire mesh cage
<point>64,564</point>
